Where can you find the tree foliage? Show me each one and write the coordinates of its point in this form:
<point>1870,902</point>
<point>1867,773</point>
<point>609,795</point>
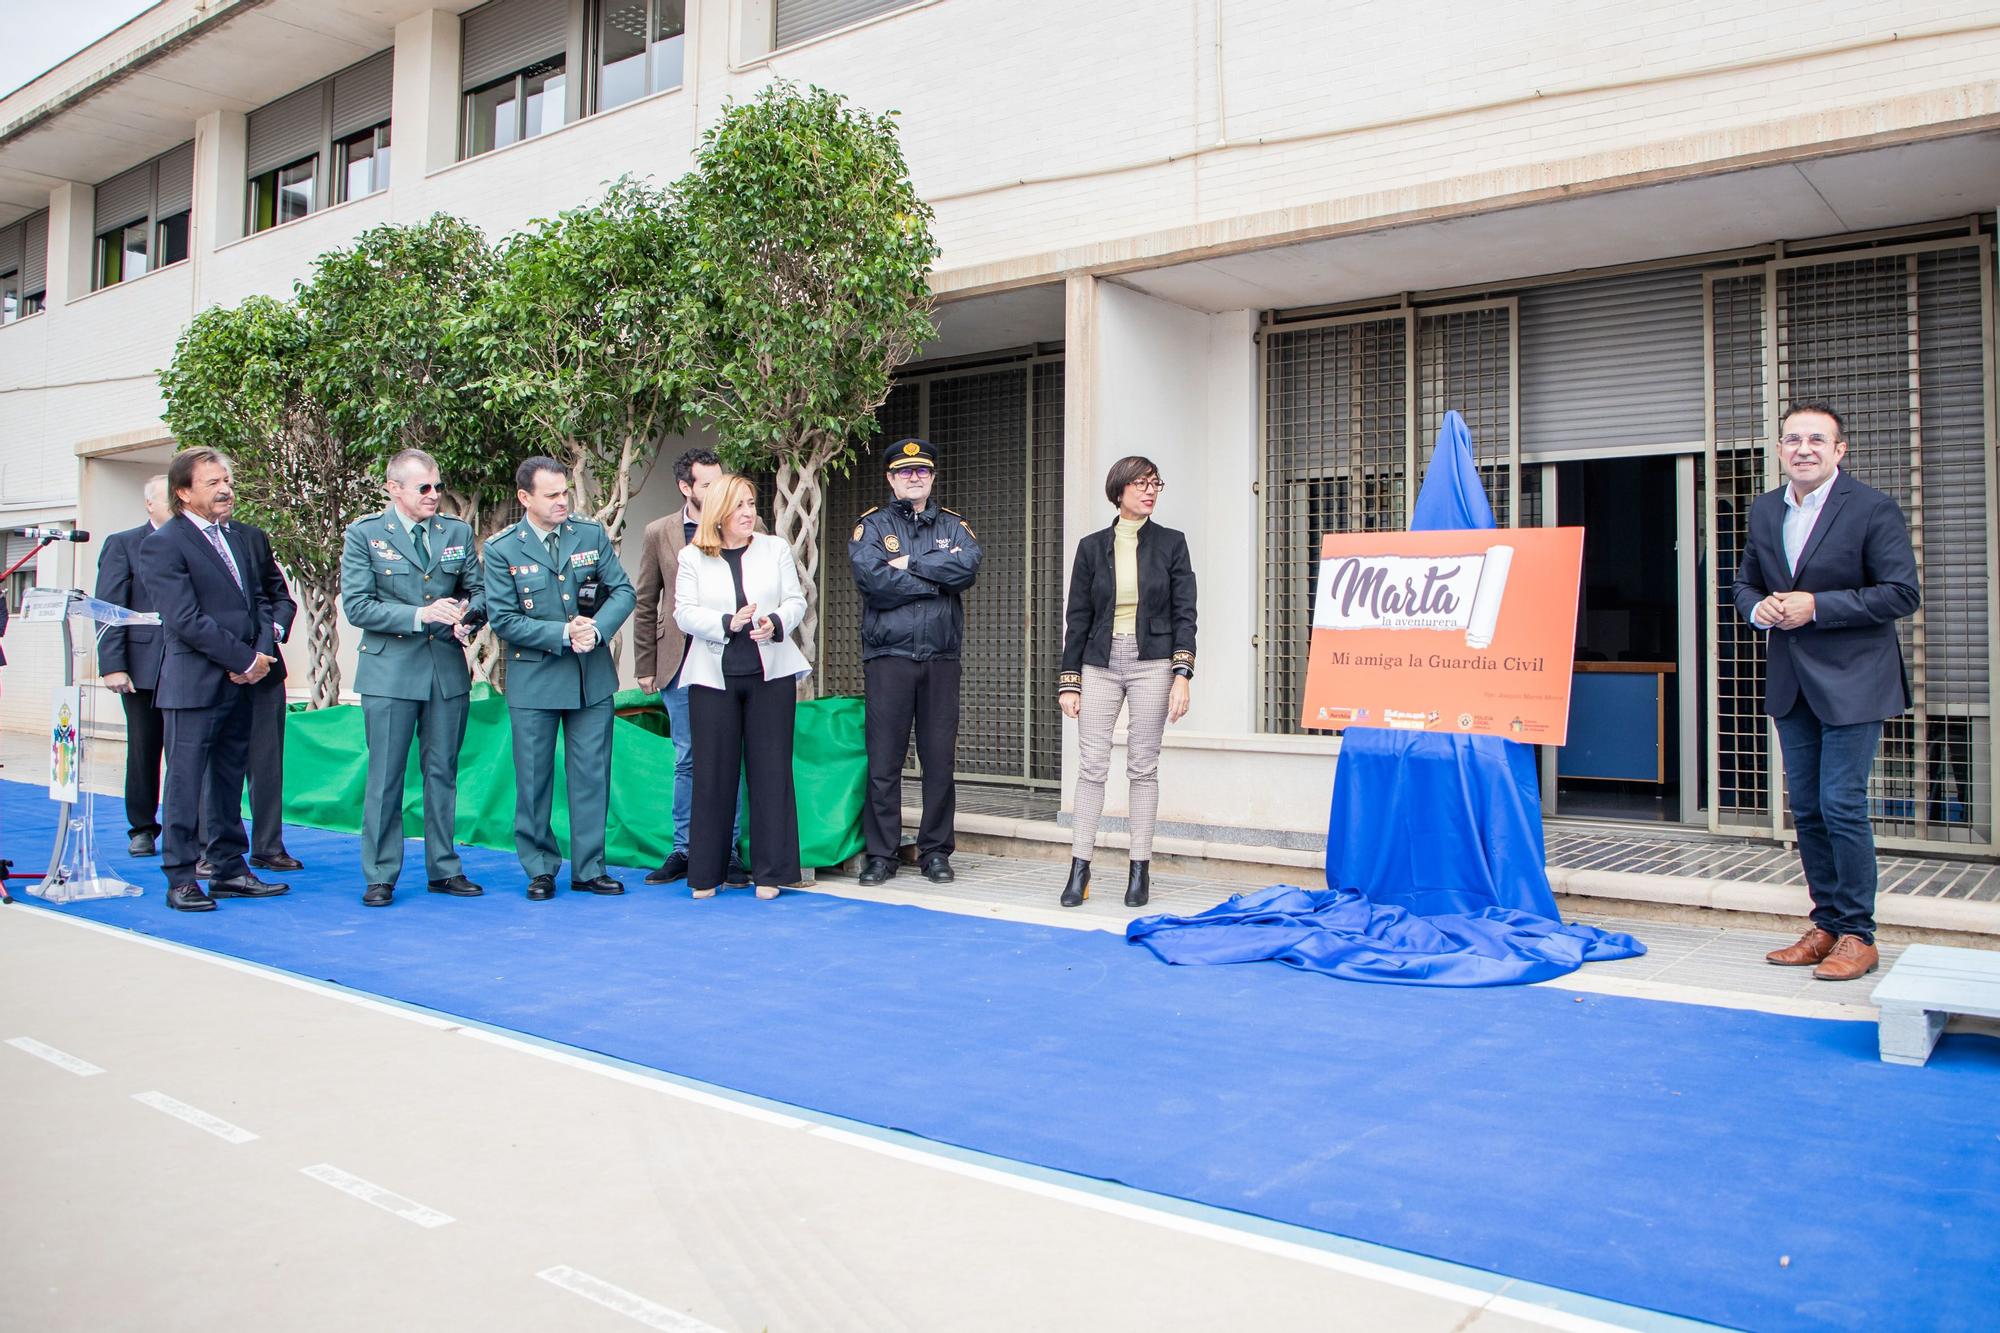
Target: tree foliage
<point>243,381</point>
<point>576,336</point>
<point>805,286</point>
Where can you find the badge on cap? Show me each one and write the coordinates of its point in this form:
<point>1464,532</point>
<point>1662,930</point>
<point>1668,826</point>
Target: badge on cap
<point>911,447</point>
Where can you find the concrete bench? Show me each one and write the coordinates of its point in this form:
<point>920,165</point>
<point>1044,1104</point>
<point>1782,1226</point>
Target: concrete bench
<point>1929,984</point>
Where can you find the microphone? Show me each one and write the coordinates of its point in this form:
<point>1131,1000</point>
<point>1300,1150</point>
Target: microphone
<point>53,534</point>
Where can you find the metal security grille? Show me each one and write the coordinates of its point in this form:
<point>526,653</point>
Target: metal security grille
<point>999,434</point>
<point>1337,458</point>
<point>1739,776</point>
<point>1467,363</point>
<point>1894,341</point>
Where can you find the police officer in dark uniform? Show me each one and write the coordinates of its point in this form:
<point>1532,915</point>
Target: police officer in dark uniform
<point>912,559</point>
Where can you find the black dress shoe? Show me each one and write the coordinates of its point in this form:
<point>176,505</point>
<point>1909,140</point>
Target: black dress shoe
<point>377,895</point>
<point>204,869</point>
<point>738,874</point>
<point>189,898</point>
<point>141,845</point>
<point>1138,884</point>
<point>877,870</point>
<point>542,888</point>
<point>673,868</point>
<point>245,885</point>
<point>282,861</point>
<point>458,886</point>
<point>602,884</point>
<point>1078,887</point>
<point>937,868</point>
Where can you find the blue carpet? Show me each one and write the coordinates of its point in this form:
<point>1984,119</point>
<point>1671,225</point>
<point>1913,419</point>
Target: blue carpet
<point>1659,1155</point>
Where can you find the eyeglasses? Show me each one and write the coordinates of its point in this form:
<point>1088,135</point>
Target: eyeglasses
<point>1794,441</point>
<point>423,488</point>
<point>919,472</point>
<point>1153,484</point>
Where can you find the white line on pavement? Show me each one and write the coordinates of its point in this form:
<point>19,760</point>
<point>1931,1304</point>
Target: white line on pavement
<point>195,1116</point>
<point>408,1209</point>
<point>629,1304</point>
<point>60,1059</point>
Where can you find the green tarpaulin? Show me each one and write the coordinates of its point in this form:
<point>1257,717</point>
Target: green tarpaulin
<point>326,765</point>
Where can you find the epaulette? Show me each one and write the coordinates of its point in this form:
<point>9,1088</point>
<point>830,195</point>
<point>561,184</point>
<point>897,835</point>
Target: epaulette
<point>866,512</point>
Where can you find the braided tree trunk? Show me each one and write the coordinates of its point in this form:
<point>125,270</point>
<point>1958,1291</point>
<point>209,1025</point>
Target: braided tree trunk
<point>798,514</point>
<point>322,641</point>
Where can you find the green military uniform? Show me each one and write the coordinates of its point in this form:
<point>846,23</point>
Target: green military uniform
<point>530,596</point>
<point>411,676</point>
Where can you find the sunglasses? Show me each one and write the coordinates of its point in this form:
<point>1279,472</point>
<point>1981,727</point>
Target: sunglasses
<point>424,488</point>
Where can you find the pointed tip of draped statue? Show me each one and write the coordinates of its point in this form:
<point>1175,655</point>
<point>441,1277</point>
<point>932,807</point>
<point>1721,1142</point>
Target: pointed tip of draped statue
<point>1452,497</point>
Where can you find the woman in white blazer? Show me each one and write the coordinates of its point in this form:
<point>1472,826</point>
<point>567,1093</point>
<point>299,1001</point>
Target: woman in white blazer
<point>737,597</point>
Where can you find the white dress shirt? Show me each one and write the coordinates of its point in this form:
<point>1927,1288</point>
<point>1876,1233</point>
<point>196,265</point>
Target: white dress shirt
<point>1801,515</point>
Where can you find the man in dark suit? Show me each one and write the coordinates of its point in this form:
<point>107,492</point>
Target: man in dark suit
<point>217,620</point>
<point>267,713</point>
<point>1828,571</point>
<point>128,662</point>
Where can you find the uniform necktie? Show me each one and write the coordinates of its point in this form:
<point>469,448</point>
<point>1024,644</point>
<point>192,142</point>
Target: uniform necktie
<point>423,545</point>
<point>550,542</point>
<point>214,531</point>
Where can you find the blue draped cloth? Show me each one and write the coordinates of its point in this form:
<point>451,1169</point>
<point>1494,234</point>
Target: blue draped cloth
<point>1436,869</point>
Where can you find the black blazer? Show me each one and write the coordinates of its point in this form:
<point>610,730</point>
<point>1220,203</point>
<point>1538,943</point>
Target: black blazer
<point>212,626</point>
<point>1859,568</point>
<point>284,610</point>
<point>1165,622</point>
<point>133,649</point>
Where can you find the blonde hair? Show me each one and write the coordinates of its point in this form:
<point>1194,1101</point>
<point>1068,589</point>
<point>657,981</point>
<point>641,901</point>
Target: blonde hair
<point>721,500</point>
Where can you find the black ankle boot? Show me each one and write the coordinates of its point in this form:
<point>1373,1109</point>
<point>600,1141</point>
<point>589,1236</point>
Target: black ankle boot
<point>1078,887</point>
<point>1138,884</point>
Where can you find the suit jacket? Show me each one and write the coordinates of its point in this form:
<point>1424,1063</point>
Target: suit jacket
<point>657,642</point>
<point>212,625</point>
<point>1166,619</point>
<point>382,587</point>
<point>705,599</point>
<point>133,649</point>
<point>284,610</point>
<point>530,603</point>
<point>1859,568</point>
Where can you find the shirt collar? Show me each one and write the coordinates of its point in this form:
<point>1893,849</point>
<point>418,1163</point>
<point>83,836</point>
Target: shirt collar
<point>397,516</point>
<point>541,534</point>
<point>201,523</point>
<point>1814,500</point>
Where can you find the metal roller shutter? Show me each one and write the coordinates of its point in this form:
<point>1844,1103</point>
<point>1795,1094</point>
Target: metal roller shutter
<point>510,35</point>
<point>35,254</point>
<point>124,198</point>
<point>361,94</point>
<point>10,249</point>
<point>800,20</point>
<point>1612,363</point>
<point>176,187</point>
<point>286,130</point>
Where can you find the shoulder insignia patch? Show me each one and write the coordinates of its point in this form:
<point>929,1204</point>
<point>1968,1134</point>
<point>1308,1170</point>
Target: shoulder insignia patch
<point>857,533</point>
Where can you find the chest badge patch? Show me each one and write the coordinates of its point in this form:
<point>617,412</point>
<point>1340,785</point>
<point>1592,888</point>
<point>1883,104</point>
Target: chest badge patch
<point>452,553</point>
<point>892,544</point>
<point>583,558</point>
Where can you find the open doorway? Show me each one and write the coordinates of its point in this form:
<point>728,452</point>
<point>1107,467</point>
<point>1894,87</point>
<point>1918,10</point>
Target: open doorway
<point>1626,757</point>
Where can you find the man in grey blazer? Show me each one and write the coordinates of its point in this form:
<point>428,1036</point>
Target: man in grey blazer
<point>1828,570</point>
<point>128,662</point>
<point>411,582</point>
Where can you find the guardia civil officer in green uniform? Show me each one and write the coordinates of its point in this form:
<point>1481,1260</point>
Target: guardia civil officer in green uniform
<point>410,582</point>
<point>556,594</point>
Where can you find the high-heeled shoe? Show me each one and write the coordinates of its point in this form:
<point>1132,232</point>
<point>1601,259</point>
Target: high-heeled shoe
<point>1138,884</point>
<point>1078,887</point>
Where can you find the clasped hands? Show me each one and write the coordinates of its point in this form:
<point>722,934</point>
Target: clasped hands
<point>760,626</point>
<point>448,611</point>
<point>582,631</point>
<point>1786,610</point>
<point>258,670</point>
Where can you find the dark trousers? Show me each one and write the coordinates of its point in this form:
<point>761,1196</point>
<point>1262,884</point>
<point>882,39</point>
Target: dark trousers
<point>438,723</point>
<point>265,773</point>
<point>744,727</point>
<point>1826,775</point>
<point>145,734</point>
<point>901,691</point>
<point>208,751</point>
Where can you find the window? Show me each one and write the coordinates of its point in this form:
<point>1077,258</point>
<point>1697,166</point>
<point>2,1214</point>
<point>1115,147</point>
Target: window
<point>122,254</point>
<point>141,222</point>
<point>170,245</point>
<point>639,48</point>
<point>24,265</point>
<point>520,106</point>
<point>361,164</point>
<point>283,195</point>
<point>10,297</point>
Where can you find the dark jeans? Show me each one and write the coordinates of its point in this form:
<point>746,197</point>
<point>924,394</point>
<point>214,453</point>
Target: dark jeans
<point>902,690</point>
<point>746,725</point>
<point>145,739</point>
<point>1826,774</point>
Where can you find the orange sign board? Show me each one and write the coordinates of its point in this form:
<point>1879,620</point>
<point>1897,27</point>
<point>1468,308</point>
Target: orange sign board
<point>1471,633</point>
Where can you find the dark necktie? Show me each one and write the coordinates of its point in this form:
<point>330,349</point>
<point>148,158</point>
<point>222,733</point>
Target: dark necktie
<point>423,545</point>
<point>214,531</point>
<point>550,542</point>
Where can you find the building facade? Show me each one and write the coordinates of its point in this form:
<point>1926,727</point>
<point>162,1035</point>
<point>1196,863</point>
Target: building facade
<point>1267,244</point>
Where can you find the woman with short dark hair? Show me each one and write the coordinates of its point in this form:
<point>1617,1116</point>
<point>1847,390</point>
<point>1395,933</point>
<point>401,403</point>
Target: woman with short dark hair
<point>1128,640</point>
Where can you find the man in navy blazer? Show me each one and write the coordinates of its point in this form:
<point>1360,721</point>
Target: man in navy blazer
<point>128,662</point>
<point>1828,571</point>
<point>210,596</point>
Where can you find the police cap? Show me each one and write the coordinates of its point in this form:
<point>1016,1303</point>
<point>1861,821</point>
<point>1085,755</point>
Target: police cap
<point>909,452</point>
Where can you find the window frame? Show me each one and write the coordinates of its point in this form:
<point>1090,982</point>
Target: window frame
<point>380,163</point>
<point>594,41</point>
<point>150,220</point>
<point>269,186</point>
<point>518,82</point>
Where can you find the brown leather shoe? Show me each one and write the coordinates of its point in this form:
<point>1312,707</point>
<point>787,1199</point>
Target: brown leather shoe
<point>1850,960</point>
<point>1812,949</point>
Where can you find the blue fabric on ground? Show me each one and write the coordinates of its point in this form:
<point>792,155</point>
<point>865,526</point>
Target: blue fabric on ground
<point>1650,1153</point>
<point>1434,847</point>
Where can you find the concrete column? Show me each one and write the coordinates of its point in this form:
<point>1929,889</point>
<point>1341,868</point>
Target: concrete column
<point>1080,471</point>
<point>221,180</point>
<point>1231,582</point>
<point>424,96</point>
<point>72,219</point>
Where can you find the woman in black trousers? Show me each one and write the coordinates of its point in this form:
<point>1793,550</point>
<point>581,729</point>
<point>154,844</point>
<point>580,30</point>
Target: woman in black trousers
<point>737,595</point>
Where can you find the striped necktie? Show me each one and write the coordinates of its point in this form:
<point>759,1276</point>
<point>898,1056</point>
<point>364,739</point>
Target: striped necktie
<point>214,531</point>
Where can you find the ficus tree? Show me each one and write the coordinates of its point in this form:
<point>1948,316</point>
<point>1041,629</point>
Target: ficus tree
<point>804,287</point>
<point>242,380</point>
<point>575,334</point>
